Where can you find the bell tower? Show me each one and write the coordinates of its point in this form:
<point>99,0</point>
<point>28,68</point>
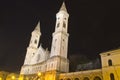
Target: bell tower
<point>58,62</point>
<point>33,45</point>
<point>60,36</point>
<point>58,57</point>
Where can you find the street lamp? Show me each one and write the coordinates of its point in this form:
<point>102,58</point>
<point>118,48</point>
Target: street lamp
<point>39,74</point>
<point>13,77</point>
<point>20,78</point>
<point>0,78</point>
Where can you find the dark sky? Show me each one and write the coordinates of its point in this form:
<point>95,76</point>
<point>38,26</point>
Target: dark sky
<point>93,27</point>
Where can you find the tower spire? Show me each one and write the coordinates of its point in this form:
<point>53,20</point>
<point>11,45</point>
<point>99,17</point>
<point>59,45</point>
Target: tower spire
<point>38,26</point>
<point>63,7</point>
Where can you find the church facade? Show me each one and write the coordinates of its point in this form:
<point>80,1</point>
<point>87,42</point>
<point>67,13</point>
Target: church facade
<point>41,64</point>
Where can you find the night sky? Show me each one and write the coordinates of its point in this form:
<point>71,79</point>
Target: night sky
<point>93,27</point>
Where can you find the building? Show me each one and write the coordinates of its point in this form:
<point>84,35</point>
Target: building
<point>8,76</point>
<point>41,64</point>
<point>3,75</point>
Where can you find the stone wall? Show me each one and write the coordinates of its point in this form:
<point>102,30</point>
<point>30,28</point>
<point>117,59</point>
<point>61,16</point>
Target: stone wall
<point>82,75</point>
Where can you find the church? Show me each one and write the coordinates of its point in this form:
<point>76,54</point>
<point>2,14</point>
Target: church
<point>41,64</point>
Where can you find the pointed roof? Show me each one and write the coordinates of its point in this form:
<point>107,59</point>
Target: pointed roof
<point>38,26</point>
<point>63,7</point>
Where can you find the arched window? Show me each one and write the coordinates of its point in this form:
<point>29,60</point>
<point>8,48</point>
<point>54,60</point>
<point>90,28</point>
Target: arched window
<point>110,62</point>
<point>68,79</point>
<point>86,78</point>
<point>58,25</point>
<point>112,76</point>
<point>63,44</point>
<point>76,79</point>
<point>108,54</point>
<point>54,46</point>
<point>97,78</point>
<point>35,41</point>
<point>37,78</point>
<point>55,41</point>
<point>33,54</point>
<point>51,65</point>
<point>28,71</point>
<point>64,25</point>
<point>46,66</point>
<point>38,57</point>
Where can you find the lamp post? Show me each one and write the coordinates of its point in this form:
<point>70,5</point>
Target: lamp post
<point>39,75</point>
<point>20,78</point>
<point>13,77</point>
<point>0,78</point>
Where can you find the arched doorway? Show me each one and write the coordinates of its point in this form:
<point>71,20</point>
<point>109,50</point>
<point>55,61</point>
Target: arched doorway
<point>97,78</point>
<point>86,78</point>
<point>76,79</point>
<point>68,79</point>
<point>112,76</point>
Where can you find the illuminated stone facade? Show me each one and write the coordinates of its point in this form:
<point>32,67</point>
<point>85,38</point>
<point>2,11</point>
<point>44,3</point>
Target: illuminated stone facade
<point>110,69</point>
<point>39,59</point>
<point>41,64</point>
<point>111,65</point>
<point>82,75</point>
<point>8,76</point>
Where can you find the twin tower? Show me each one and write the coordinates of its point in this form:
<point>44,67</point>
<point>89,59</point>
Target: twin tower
<point>41,60</point>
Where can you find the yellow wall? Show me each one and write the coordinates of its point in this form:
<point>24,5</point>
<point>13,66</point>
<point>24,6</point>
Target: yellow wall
<point>108,70</point>
<point>114,56</point>
<point>103,73</point>
<point>91,74</point>
<point>12,76</point>
<point>50,75</point>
